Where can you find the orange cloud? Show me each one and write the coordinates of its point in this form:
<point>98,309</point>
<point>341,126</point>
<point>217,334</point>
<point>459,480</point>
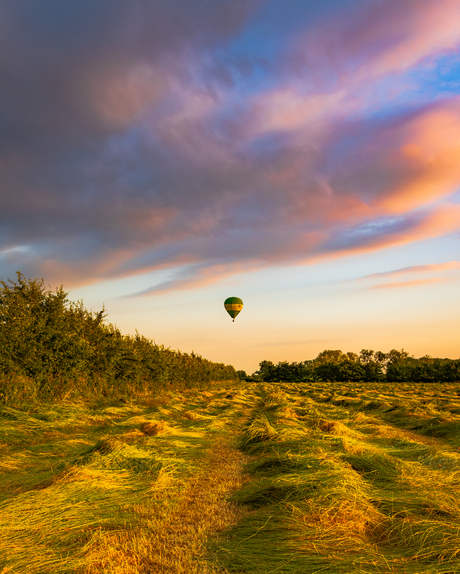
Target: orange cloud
<point>432,149</point>
<point>442,221</point>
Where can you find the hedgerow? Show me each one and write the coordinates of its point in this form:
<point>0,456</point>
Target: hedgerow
<point>53,348</point>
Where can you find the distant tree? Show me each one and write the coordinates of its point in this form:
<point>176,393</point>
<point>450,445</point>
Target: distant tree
<point>450,370</point>
<point>266,370</point>
<point>328,371</point>
<point>382,359</point>
<point>395,356</point>
<point>351,370</point>
<point>400,371</point>
<point>366,356</point>
<point>329,356</point>
<point>372,367</point>
<point>368,366</point>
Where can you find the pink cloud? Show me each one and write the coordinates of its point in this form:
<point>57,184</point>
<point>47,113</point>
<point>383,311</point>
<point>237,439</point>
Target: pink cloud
<point>362,47</point>
<point>441,221</point>
<point>424,28</point>
<point>161,167</point>
<point>431,150</point>
<point>288,109</point>
<point>382,38</point>
<point>414,283</point>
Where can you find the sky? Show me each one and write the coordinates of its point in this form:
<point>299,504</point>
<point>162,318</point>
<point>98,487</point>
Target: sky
<point>303,155</point>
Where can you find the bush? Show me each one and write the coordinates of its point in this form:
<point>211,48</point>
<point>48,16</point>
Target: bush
<point>54,348</point>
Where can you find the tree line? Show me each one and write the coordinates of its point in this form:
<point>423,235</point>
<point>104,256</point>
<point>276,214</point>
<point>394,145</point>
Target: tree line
<point>51,347</point>
<point>369,365</point>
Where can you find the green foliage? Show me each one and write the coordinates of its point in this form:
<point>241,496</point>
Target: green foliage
<point>52,348</point>
<point>425,369</point>
<point>369,365</point>
<point>284,371</point>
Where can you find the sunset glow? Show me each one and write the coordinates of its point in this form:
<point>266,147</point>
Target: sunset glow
<point>304,156</point>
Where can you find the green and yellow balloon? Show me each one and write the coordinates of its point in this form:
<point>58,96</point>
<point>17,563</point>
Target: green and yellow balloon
<point>233,306</point>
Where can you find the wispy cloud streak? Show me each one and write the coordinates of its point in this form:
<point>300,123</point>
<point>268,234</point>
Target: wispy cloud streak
<point>414,283</point>
<point>429,268</point>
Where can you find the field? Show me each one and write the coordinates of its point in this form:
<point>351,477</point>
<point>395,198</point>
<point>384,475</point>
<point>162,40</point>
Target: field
<point>253,478</point>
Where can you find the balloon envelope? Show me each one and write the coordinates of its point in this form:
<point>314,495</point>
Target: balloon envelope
<point>233,305</point>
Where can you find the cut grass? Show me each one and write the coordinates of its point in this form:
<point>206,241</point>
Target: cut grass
<point>352,494</point>
<point>89,490</point>
<point>359,479</point>
<point>171,538</point>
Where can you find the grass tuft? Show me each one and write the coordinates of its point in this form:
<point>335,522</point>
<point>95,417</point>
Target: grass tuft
<point>153,428</point>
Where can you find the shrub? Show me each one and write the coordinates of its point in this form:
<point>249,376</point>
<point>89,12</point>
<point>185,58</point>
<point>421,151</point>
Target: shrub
<point>54,348</point>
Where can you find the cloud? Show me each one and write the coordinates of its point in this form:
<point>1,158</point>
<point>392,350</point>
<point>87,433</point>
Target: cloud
<point>392,278</point>
<point>421,29</point>
<point>193,276</point>
<point>431,150</point>
<point>429,268</point>
<point>414,283</point>
<point>141,136</point>
<point>396,231</point>
<point>374,39</point>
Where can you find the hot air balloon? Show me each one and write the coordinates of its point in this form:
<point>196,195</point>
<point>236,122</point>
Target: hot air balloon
<point>233,306</point>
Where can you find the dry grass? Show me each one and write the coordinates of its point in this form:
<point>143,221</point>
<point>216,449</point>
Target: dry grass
<point>337,490</point>
<point>154,428</point>
<point>191,416</point>
<point>173,537</point>
<point>123,489</point>
<point>360,480</point>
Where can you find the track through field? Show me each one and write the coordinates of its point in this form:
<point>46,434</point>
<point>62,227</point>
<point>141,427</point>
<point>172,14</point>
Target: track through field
<point>254,478</point>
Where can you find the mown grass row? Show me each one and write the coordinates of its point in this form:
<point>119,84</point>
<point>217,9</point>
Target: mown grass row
<point>115,489</point>
<point>337,489</point>
<point>427,410</point>
<point>335,484</point>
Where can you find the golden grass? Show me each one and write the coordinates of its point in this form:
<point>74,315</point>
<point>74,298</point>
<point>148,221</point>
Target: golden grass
<point>191,416</point>
<point>154,428</point>
<point>346,492</point>
<point>172,538</point>
<point>121,489</point>
<point>360,480</point>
